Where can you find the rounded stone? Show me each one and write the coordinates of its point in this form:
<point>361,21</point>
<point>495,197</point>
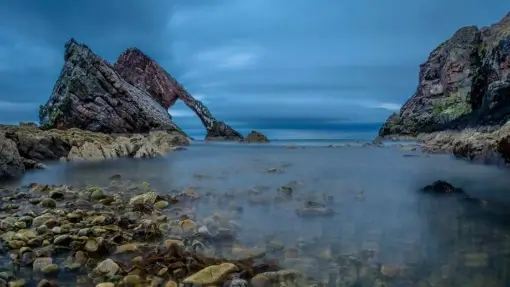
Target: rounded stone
<point>48,203</point>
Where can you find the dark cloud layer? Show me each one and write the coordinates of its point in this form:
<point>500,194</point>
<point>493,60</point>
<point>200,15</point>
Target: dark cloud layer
<point>261,64</point>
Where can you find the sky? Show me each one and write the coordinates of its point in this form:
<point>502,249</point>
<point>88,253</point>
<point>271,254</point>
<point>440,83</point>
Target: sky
<point>291,68</point>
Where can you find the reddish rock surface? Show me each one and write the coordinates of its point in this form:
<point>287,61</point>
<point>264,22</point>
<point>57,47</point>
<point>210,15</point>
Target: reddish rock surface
<point>143,72</point>
<point>90,95</point>
<point>462,102</point>
<point>465,82</point>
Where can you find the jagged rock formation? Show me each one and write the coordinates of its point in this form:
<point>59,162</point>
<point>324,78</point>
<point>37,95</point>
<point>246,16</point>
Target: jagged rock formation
<point>90,95</point>
<point>143,72</point>
<point>255,137</point>
<point>464,83</point>
<point>11,164</point>
<point>23,146</point>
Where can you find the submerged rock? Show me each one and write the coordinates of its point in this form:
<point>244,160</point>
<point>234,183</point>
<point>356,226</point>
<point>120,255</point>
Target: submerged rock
<point>440,186</point>
<point>211,275</point>
<point>90,95</point>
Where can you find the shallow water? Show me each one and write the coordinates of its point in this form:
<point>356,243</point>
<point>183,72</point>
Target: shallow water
<point>375,196</point>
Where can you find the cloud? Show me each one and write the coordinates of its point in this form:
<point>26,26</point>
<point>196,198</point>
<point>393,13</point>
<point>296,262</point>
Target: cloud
<point>254,63</point>
<point>15,106</point>
<point>233,57</point>
<point>178,113</point>
<point>387,106</point>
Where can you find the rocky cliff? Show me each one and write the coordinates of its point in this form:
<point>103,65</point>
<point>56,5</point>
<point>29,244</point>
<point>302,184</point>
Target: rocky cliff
<point>465,83</point>
<point>143,72</point>
<point>90,95</point>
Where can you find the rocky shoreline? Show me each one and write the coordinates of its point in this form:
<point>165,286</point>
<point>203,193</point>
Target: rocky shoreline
<point>127,234</point>
<point>101,111</point>
<point>461,103</point>
<point>25,146</point>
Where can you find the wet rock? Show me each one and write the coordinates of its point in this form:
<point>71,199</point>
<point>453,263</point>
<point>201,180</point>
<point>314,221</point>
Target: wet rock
<point>48,203</point>
<point>11,164</point>
<point>162,204</point>
<point>255,137</point>
<point>8,223</point>
<point>92,245</point>
<point>132,280</point>
<point>44,283</point>
<point>187,226</point>
<point>390,271</point>
<point>148,198</point>
<point>18,283</point>
<point>107,267</point>
<point>214,274</point>
<point>441,187</point>
<point>476,260</point>
<point>41,263</point>
<point>97,193</point>
<point>40,220</point>
<point>50,270</point>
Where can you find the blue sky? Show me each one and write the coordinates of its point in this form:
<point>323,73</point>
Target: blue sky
<point>290,67</point>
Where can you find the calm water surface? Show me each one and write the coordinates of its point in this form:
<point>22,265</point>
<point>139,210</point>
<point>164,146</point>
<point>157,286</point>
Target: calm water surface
<point>434,240</point>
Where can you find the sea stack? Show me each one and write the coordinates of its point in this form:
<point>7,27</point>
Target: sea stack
<point>90,95</point>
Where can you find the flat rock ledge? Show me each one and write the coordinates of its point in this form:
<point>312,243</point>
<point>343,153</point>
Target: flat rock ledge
<point>487,145</point>
<point>23,147</point>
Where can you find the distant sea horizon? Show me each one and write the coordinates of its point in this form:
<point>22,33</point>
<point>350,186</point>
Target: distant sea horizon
<point>300,132</point>
<point>343,132</point>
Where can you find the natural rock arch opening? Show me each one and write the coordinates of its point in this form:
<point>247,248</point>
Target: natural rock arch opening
<point>143,72</point>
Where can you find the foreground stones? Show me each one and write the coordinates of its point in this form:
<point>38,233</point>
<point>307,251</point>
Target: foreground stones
<point>26,144</point>
<point>122,235</point>
<point>125,240</point>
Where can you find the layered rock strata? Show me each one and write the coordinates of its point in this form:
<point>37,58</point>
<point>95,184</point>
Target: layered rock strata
<point>90,95</point>
<point>463,92</point>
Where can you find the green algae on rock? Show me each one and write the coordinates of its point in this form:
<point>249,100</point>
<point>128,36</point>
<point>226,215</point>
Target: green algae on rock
<point>463,93</point>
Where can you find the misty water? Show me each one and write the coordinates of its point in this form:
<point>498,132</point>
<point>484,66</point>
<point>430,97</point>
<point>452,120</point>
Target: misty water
<point>431,240</point>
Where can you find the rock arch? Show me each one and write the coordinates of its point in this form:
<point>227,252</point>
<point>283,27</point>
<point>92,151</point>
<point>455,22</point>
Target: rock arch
<point>143,72</point>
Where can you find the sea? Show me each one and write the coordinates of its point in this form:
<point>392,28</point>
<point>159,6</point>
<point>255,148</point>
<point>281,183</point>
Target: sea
<point>374,192</point>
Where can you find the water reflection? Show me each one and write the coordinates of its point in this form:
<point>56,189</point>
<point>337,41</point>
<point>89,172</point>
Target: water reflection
<point>428,240</point>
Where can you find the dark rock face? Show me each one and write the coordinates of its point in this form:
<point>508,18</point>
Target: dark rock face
<point>143,72</point>
<point>441,187</point>
<point>11,164</point>
<point>218,130</point>
<point>90,95</point>
<point>464,83</point>
<point>255,137</point>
